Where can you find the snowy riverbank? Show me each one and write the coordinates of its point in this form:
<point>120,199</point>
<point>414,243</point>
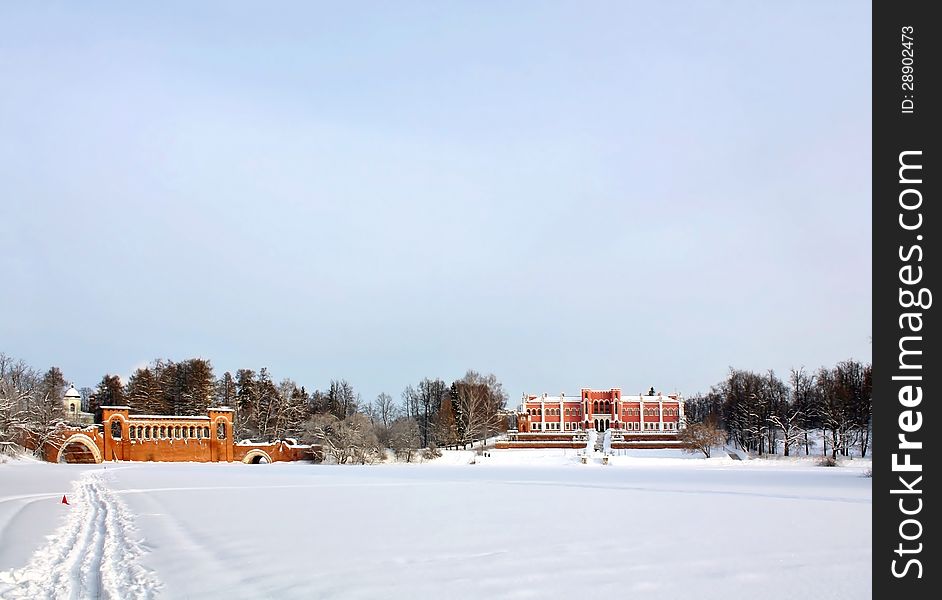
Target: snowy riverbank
<point>516,524</point>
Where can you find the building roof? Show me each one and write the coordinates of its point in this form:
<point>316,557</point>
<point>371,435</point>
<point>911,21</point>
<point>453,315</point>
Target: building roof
<point>72,392</point>
<point>577,399</point>
<point>167,417</point>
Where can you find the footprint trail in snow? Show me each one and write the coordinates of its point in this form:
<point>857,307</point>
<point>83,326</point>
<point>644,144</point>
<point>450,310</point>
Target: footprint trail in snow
<point>92,555</point>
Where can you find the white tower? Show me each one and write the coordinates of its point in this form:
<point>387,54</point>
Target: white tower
<point>72,402</point>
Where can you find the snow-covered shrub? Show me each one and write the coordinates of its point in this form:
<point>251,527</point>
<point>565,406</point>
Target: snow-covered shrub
<point>431,452</point>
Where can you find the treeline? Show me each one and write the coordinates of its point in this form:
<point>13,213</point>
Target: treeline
<point>762,413</point>
<point>30,402</point>
<point>429,414</point>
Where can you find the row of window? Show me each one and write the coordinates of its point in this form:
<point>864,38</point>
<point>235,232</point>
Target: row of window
<point>649,426</point>
<point>635,426</point>
<point>604,408</point>
<point>651,412</point>
<point>567,426</point>
<point>654,426</point>
<point>569,412</point>
<point>167,432</point>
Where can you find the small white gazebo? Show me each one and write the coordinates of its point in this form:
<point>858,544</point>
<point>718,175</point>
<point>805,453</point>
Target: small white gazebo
<point>72,402</point>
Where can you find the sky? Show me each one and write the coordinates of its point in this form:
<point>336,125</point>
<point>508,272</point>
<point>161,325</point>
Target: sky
<point>564,194</point>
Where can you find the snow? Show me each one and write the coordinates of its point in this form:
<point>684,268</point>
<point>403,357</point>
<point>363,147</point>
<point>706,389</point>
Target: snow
<point>510,524</point>
<point>93,554</point>
<point>169,417</point>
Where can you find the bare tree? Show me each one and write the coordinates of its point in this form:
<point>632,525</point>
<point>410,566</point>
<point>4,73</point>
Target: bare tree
<point>775,399</point>
<point>479,401</point>
<point>342,400</point>
<point>46,414</point>
<point>854,382</point>
<point>836,412</point>
<point>744,417</point>
<point>348,440</point>
<point>30,404</point>
<point>701,437</point>
<point>324,429</point>
<point>803,398</point>
<point>404,438</point>
<point>422,403</point>
<point>264,412</point>
<point>787,418</point>
<point>383,410</point>
<point>17,382</point>
<point>430,392</point>
<point>411,405</point>
<point>289,410</point>
<point>865,409</point>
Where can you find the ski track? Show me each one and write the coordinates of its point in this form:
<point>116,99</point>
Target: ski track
<point>91,556</point>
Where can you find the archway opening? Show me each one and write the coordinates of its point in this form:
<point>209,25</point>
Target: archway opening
<point>257,457</point>
<point>76,453</point>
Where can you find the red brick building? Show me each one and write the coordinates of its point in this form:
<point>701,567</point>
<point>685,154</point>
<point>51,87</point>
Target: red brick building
<point>651,413</point>
<point>158,438</point>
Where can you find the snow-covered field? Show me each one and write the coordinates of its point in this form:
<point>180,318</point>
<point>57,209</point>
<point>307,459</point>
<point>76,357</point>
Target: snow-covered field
<point>517,524</point>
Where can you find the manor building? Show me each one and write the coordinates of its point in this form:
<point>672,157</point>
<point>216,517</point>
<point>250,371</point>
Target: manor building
<point>651,413</point>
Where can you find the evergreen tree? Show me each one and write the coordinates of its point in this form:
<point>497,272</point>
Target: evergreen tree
<point>144,393</point>
<point>297,413</point>
<point>109,392</point>
<point>226,390</point>
<point>246,399</point>
<point>197,386</point>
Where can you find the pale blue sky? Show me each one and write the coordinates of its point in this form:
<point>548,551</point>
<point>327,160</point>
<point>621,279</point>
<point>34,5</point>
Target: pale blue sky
<point>566,194</point>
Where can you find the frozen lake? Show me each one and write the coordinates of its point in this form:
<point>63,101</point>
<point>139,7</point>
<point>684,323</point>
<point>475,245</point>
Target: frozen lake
<point>520,524</point>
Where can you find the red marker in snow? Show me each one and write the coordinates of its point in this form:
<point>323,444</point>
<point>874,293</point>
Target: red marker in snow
<point>64,501</point>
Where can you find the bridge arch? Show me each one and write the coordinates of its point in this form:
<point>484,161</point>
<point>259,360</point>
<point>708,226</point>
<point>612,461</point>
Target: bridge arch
<point>256,457</point>
<point>81,440</point>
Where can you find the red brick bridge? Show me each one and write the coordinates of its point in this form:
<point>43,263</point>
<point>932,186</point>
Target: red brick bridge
<point>158,438</point>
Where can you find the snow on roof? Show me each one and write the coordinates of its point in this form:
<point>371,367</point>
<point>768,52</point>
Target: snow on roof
<point>556,399</point>
<point>577,399</point>
<point>646,398</point>
<point>221,409</point>
<point>72,392</point>
<point>115,407</point>
<point>290,442</point>
<point>173,417</point>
